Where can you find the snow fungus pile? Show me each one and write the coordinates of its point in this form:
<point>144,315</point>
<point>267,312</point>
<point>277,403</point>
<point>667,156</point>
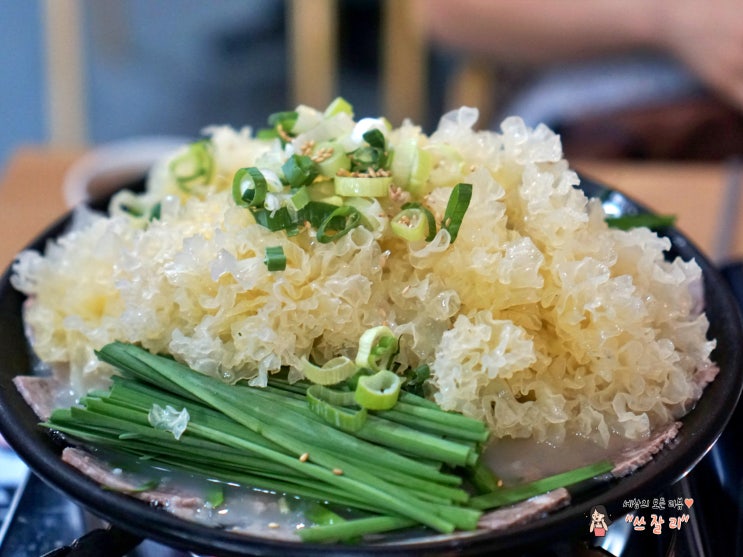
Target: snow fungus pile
<point>539,318</point>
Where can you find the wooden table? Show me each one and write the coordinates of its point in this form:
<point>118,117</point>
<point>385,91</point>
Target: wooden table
<point>701,195</point>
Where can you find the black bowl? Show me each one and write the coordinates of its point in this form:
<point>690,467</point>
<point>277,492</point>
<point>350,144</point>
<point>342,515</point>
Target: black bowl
<point>701,428</point>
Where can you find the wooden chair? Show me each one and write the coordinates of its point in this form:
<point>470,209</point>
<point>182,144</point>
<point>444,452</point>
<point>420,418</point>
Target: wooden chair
<point>312,33</point>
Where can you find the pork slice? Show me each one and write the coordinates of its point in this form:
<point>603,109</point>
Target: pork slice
<point>182,504</point>
<point>635,457</point>
<point>525,511</point>
<point>705,375</point>
<point>40,393</point>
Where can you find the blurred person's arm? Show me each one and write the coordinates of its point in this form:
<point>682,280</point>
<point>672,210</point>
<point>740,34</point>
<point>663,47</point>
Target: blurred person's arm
<point>537,31</point>
<point>706,35</point>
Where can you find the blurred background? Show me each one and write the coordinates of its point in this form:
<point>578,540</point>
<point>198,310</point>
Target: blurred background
<point>86,72</point>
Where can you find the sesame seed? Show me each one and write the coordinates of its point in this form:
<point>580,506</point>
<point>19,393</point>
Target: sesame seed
<point>337,471</point>
<point>307,147</point>
<point>323,154</point>
<point>273,525</point>
<point>304,457</point>
<point>282,134</point>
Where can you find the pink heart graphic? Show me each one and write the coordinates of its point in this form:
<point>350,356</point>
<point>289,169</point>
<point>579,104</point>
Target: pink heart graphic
<point>688,503</point>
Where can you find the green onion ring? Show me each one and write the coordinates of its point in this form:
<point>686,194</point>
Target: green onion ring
<point>425,223</point>
<point>362,186</point>
<point>194,167</point>
<point>300,199</point>
<point>275,258</point>
<point>379,391</point>
<point>300,170</point>
<point>335,407</point>
<point>332,372</point>
<point>249,197</point>
<point>377,346</point>
<point>351,219</point>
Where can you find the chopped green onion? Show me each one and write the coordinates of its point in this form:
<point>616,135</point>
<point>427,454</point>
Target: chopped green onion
<point>249,187</point>
<point>429,217</point>
<point>135,206</point>
<point>330,158</point>
<point>132,209</point>
<point>379,391</point>
<point>299,200</point>
<point>375,138</point>
<point>419,173</point>
<point>300,170</point>
<point>412,225</point>
<point>364,158</point>
<point>373,155</point>
<point>350,218</point>
<point>324,193</point>
<point>370,209</point>
<point>411,166</point>
<point>335,407</point>
<point>334,200</point>
<point>194,167</point>
<point>648,220</point>
<point>377,347</point>
<point>339,105</point>
<point>317,212</point>
<point>286,119</point>
<point>353,186</point>
<point>321,189</point>
<point>332,372</point>
<point>281,219</point>
<point>275,258</point>
<point>266,134</point>
<point>459,201</point>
